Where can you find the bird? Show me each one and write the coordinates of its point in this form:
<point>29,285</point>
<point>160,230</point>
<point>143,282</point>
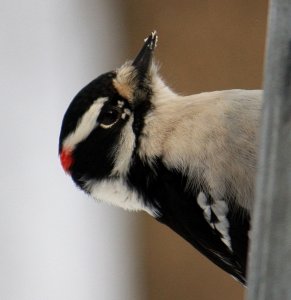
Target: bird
<point>129,140</point>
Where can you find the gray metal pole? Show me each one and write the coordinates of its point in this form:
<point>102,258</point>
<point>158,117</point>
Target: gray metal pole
<point>269,273</point>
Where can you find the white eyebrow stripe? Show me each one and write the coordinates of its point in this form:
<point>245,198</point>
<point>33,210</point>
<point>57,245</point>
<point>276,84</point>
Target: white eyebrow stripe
<point>85,125</point>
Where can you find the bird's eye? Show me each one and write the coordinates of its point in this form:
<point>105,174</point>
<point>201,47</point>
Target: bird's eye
<point>108,117</point>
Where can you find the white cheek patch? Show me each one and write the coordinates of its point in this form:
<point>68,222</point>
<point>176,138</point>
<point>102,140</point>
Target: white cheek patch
<point>85,125</point>
<point>115,192</point>
<point>124,149</point>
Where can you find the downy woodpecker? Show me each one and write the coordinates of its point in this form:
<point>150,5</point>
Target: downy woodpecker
<point>189,161</point>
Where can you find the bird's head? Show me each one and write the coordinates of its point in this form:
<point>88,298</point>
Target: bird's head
<point>102,124</point>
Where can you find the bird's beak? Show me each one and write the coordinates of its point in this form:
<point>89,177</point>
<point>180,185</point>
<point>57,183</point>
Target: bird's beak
<point>143,60</point>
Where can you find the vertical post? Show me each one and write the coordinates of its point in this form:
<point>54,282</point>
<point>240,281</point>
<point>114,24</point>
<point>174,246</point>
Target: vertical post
<point>269,273</point>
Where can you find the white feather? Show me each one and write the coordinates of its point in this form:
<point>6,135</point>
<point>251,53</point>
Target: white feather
<point>115,192</point>
<point>124,150</point>
<point>202,202</point>
<point>220,209</point>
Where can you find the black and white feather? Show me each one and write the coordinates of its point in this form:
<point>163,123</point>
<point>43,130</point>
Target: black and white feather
<point>189,161</point>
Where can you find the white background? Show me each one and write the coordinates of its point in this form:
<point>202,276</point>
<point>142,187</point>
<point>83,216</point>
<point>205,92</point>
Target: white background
<point>55,242</point>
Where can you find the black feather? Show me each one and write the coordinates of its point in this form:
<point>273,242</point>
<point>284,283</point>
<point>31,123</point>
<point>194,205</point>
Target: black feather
<point>166,191</point>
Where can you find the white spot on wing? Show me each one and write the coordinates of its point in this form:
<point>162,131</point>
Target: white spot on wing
<point>202,202</point>
<point>220,209</point>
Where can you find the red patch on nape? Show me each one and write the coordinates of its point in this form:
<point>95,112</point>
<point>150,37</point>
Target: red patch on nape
<point>66,159</point>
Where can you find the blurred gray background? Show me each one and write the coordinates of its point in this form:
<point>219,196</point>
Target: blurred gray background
<point>55,242</point>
